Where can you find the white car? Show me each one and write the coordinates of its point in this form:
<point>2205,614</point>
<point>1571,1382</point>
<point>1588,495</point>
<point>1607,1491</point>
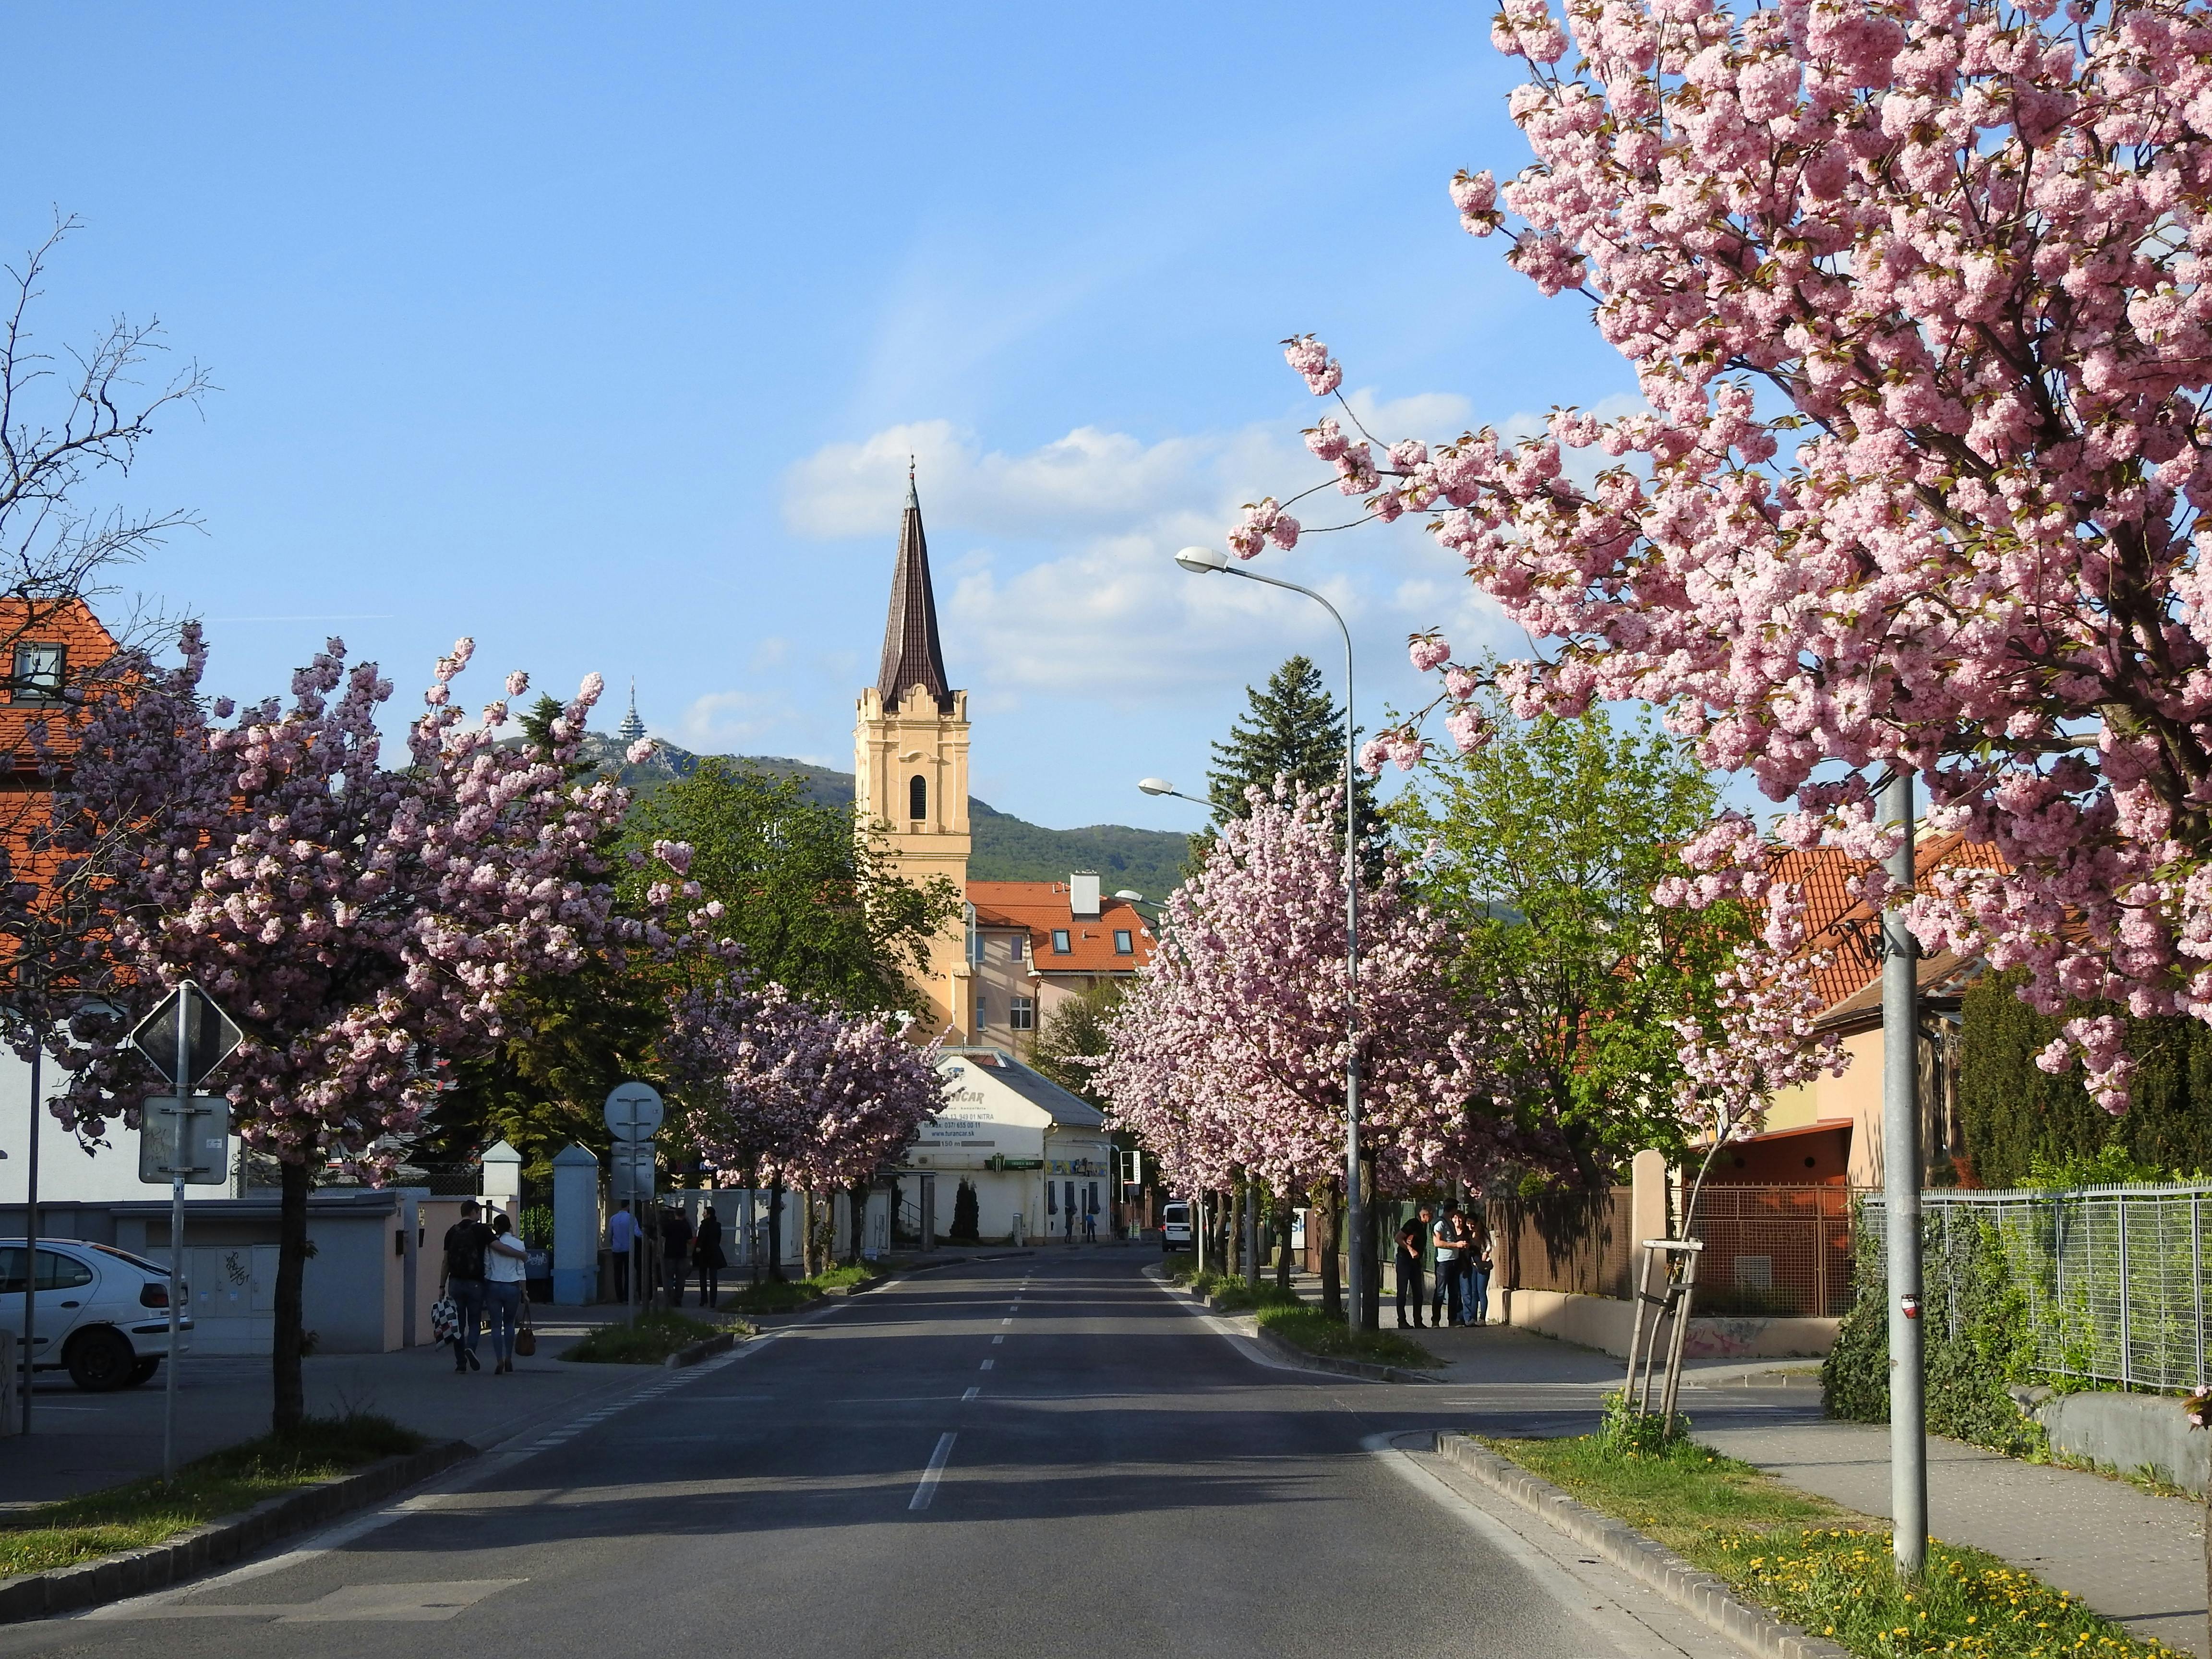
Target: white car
<point>1175,1225</point>
<point>103,1314</point>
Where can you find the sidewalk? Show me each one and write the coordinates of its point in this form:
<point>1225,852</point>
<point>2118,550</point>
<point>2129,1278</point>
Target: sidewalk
<point>81,1441</point>
<point>2134,1558</point>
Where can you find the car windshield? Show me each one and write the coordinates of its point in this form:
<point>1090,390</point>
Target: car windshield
<point>139,1261</point>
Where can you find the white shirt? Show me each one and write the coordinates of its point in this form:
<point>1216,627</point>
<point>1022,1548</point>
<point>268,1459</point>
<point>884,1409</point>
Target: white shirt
<point>503,1268</point>
<point>622,1232</point>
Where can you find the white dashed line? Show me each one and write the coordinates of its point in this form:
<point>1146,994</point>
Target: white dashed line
<point>987,1364</point>
<point>970,1394</point>
<point>928,1489</point>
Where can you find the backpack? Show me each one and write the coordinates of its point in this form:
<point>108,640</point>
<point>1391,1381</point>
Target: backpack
<point>464,1249</point>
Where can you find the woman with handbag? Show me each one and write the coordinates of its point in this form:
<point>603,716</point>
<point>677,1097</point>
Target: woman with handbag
<point>506,1263</point>
<point>707,1256</point>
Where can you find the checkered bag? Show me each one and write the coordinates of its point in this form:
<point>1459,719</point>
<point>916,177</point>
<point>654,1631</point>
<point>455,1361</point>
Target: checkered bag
<point>445,1320</point>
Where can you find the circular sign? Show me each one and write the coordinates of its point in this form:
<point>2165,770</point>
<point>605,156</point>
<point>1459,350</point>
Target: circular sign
<point>634,1111</point>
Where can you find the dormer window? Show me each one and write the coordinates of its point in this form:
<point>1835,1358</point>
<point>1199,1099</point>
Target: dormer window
<point>1123,944</point>
<point>917,797</point>
<point>37,678</point>
<point>1061,947</point>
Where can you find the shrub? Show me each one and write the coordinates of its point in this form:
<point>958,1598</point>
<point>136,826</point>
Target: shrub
<point>967,1216</point>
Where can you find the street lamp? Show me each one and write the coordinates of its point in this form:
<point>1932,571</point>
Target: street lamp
<point>1204,562</point>
<point>1162,786</point>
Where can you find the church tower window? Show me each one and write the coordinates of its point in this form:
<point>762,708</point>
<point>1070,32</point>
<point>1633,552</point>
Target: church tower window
<point>917,797</point>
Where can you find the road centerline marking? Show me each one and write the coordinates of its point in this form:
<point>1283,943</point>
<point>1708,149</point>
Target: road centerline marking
<point>970,1394</point>
<point>997,1339</point>
<point>927,1488</point>
<point>987,1364</point>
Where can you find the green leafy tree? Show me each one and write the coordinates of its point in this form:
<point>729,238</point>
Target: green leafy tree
<point>812,898</point>
<point>1543,848</point>
<point>1292,728</point>
<point>1075,1031</point>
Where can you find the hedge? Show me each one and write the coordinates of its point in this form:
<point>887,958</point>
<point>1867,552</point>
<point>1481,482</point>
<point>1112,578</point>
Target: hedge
<point>2018,1118</point>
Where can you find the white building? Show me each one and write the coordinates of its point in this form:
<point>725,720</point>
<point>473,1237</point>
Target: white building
<point>1037,1155</point>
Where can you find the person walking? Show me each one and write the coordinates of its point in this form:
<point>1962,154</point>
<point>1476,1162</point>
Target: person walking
<point>506,1263</point>
<point>1480,1259</point>
<point>1452,1240</point>
<point>675,1252</point>
<point>461,1277</point>
<point>1412,1237</point>
<point>621,1236</point>
<point>707,1256</point>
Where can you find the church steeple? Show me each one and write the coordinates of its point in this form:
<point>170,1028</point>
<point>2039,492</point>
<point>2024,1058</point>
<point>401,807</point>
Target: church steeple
<point>911,656</point>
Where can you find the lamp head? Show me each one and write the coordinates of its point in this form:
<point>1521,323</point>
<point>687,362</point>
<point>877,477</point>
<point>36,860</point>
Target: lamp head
<point>1130,896</point>
<point>1155,786</point>
<point>1200,561</point>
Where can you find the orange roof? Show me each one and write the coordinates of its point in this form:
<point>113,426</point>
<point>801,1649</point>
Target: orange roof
<point>88,652</point>
<point>1041,908</point>
<point>1846,931</point>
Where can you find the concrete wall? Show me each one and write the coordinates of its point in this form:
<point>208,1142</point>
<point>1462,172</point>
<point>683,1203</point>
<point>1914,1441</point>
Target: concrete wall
<point>2130,1431</point>
<point>1607,1324</point>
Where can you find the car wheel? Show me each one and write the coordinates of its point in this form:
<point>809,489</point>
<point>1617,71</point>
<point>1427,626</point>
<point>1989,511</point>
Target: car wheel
<point>142,1372</point>
<point>100,1360</point>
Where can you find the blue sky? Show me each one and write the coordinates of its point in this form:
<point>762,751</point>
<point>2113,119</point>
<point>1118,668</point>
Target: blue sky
<point>603,333</point>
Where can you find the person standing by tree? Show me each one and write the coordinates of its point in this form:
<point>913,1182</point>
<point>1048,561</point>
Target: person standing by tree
<point>707,1256</point>
<point>1411,1240</point>
<point>675,1251</point>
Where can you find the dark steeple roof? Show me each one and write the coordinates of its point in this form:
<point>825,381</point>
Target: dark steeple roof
<point>911,654</point>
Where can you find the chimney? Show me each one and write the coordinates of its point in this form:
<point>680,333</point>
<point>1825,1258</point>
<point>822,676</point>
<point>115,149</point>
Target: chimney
<point>1083,895</point>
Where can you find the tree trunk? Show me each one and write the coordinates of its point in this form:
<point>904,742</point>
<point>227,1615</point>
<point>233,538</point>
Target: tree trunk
<point>1370,1311</point>
<point>857,1200</point>
<point>808,1266</point>
<point>1283,1243</point>
<point>1233,1256</point>
<point>775,1228</point>
<point>1323,1216</point>
<point>291,1332</point>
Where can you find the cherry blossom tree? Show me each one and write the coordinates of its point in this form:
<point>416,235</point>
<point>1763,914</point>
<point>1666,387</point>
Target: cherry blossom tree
<point>348,915</point>
<point>793,1096</point>
<point>1229,1051</point>
<point>1913,293</point>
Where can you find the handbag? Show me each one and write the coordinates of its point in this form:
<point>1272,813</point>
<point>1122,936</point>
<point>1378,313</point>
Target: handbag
<point>445,1320</point>
<point>525,1340</point>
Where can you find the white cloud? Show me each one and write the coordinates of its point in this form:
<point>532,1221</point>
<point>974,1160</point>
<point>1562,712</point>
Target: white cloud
<point>727,722</point>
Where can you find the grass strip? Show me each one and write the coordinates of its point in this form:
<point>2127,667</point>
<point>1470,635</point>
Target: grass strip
<point>655,1335</point>
<point>1821,1566</point>
<point>773,1296</point>
<point>145,1513</point>
<point>1316,1332</point>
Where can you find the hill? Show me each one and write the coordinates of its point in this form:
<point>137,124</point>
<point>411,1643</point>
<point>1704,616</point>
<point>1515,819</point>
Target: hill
<point>1006,848</point>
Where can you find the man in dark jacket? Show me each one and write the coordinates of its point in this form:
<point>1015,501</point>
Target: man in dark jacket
<point>462,1278</point>
<point>675,1252</point>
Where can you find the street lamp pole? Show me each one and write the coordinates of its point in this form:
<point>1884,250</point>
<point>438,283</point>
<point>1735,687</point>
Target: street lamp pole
<point>1204,560</point>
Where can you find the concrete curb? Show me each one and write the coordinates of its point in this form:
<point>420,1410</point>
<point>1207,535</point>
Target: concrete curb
<point>705,1348</point>
<point>1698,1592</point>
<point>138,1572</point>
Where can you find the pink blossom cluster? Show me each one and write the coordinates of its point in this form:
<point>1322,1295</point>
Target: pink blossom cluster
<point>1229,1053</point>
<point>1915,295</point>
<point>775,1090</point>
<point>348,915</point>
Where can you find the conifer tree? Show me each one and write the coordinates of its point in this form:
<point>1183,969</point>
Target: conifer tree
<point>1293,728</point>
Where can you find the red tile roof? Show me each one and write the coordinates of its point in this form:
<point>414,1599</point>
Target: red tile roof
<point>1845,930</point>
<point>1039,907</point>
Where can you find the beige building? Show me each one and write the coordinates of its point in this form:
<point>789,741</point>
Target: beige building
<point>1024,945</point>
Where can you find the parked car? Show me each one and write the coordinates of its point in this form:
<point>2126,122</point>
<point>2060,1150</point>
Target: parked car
<point>1175,1225</point>
<point>103,1314</point>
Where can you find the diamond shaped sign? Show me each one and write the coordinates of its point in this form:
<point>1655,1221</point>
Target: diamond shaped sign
<point>208,1032</point>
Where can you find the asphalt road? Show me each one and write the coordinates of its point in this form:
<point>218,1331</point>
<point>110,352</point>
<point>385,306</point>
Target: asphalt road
<point>1035,1457</point>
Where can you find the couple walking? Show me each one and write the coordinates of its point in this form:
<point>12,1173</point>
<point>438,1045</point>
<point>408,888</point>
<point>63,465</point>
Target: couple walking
<point>483,1275</point>
<point>1462,1275</point>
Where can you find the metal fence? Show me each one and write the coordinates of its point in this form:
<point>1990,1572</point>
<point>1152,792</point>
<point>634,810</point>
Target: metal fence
<point>2114,1277</point>
<point>1777,1252</point>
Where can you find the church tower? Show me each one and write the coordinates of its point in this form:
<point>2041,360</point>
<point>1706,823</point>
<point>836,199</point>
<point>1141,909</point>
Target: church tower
<point>910,764</point>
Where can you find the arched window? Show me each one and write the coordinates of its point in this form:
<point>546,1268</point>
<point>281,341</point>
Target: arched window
<point>917,797</point>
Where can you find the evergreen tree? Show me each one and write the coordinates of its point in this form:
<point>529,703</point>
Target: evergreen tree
<point>1293,728</point>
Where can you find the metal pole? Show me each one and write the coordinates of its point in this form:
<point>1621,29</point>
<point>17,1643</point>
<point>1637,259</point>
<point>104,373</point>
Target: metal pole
<point>31,1233</point>
<point>1251,1233</point>
<point>1900,1182</point>
<point>182,1123</point>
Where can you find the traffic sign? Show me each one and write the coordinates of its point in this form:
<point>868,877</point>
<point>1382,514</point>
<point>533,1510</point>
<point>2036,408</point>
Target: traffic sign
<point>189,1137</point>
<point>630,1172</point>
<point>211,1036</point>
<point>634,1111</point>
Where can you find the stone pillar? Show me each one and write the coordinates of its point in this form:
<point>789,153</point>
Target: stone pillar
<point>575,1226</point>
<point>500,1186</point>
<point>1647,1202</point>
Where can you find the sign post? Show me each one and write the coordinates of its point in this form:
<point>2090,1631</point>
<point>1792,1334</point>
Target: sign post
<point>634,1115</point>
<point>181,1141</point>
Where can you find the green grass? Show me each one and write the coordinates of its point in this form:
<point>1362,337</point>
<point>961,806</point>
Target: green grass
<point>145,1513</point>
<point>656,1333</point>
<point>773,1296</point>
<point>1315,1331</point>
<point>1822,1567</point>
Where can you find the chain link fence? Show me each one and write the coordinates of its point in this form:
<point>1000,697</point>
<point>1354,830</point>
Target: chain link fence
<point>1774,1252</point>
<point>2114,1276</point>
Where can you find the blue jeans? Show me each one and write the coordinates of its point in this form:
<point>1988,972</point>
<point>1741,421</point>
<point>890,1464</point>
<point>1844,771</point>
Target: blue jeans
<point>503,1303</point>
<point>468,1296</point>
<point>1450,1306</point>
<point>1479,1292</point>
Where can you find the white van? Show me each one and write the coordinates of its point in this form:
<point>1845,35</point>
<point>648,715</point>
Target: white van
<point>101,1314</point>
<point>1175,1225</point>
